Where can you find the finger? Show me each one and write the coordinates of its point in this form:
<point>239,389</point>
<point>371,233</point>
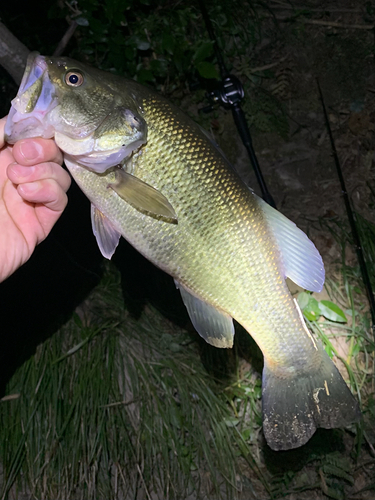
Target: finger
<point>2,125</point>
<point>36,150</point>
<point>46,192</point>
<point>20,174</point>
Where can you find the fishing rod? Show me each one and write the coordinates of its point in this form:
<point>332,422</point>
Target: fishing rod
<point>351,217</point>
<point>229,93</point>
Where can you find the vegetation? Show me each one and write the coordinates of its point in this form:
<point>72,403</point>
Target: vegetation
<point>128,407</point>
<point>117,407</point>
<point>113,407</point>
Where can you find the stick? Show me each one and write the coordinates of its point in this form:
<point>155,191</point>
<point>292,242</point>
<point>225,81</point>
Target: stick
<point>65,39</point>
<point>282,5</point>
<point>331,24</point>
<point>351,217</point>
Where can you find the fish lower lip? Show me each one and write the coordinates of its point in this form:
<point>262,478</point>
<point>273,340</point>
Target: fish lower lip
<point>35,67</point>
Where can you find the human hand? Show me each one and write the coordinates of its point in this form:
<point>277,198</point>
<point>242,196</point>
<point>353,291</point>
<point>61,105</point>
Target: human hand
<point>33,189</point>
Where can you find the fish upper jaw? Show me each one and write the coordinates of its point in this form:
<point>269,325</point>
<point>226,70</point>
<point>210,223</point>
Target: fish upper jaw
<point>36,97</point>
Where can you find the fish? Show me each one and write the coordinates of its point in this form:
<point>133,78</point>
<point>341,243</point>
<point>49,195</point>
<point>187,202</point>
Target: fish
<point>156,178</point>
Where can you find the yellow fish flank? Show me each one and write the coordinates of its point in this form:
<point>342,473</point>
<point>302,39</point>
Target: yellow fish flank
<point>154,177</point>
<point>221,248</point>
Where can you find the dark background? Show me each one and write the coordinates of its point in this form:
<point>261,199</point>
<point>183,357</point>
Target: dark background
<point>38,298</point>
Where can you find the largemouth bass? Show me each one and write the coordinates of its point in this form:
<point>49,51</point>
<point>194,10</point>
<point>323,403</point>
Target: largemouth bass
<point>155,178</point>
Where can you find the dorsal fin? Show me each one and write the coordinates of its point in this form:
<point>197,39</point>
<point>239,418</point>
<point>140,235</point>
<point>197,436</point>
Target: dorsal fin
<point>301,260</point>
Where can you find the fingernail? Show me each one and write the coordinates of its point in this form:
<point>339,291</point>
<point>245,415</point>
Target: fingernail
<point>29,188</point>
<point>30,150</point>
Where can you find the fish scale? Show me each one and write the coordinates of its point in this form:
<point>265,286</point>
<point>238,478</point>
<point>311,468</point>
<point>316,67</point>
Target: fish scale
<point>179,202</point>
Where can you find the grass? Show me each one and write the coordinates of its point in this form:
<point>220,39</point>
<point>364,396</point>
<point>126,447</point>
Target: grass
<point>359,331</point>
<point>127,412</point>
<point>352,346</point>
<point>113,407</point>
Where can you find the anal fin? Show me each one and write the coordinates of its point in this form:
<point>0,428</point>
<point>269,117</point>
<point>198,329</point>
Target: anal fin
<point>214,326</point>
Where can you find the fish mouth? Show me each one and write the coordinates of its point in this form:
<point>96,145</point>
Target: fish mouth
<point>35,68</point>
<point>34,100</point>
<point>36,112</point>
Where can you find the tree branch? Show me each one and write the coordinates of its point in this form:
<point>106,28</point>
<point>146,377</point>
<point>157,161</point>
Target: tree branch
<point>65,39</point>
<point>13,54</point>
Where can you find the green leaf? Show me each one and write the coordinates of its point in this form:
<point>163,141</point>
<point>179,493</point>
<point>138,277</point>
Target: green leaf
<point>167,43</point>
<point>328,350</point>
<point>258,389</point>
<point>174,347</point>
<point>145,75</point>
<point>96,26</point>
<point>207,70</point>
<point>77,320</point>
<point>312,309</point>
<point>159,67</point>
<point>310,316</point>
<point>204,50</point>
<point>356,349</point>
<point>246,434</point>
<point>249,391</point>
<point>334,493</point>
<point>231,422</point>
<point>129,53</point>
<point>175,417</point>
<point>143,45</point>
<point>303,299</point>
<point>82,21</point>
<point>332,311</point>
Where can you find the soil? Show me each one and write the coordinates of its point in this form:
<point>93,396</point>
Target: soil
<point>299,169</point>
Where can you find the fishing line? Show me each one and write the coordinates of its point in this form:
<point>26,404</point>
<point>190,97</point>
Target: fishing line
<point>351,217</point>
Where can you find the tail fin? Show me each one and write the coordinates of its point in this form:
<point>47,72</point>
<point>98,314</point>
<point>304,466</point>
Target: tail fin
<point>293,408</point>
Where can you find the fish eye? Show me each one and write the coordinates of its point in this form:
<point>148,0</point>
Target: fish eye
<point>74,79</point>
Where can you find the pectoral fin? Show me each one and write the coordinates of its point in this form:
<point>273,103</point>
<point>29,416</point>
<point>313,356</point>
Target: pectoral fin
<point>106,235</point>
<point>143,197</point>
<point>214,326</point>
